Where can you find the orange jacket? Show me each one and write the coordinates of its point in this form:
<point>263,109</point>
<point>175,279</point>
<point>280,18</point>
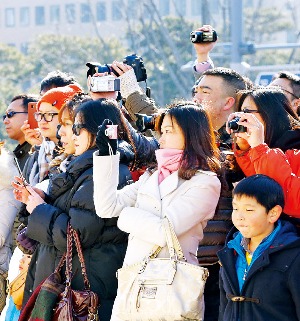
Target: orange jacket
<point>282,167</point>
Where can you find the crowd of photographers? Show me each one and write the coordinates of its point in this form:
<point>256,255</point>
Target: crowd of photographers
<point>256,129</point>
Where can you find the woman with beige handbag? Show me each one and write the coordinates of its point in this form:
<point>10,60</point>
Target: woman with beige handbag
<point>164,213</point>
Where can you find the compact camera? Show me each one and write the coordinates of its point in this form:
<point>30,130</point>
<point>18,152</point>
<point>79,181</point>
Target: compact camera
<point>145,122</point>
<point>134,61</point>
<point>203,36</point>
<point>235,127</point>
<point>111,131</point>
<point>104,84</point>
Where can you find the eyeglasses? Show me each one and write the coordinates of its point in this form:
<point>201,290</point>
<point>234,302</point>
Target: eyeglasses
<point>11,114</point>
<point>47,116</point>
<point>289,92</point>
<point>76,128</point>
<point>286,91</point>
<point>250,111</point>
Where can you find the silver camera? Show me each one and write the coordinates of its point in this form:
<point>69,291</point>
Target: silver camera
<point>104,84</point>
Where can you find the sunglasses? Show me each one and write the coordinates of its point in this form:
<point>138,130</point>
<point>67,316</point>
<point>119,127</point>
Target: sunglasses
<point>48,117</point>
<point>11,114</point>
<point>76,128</point>
<point>250,111</point>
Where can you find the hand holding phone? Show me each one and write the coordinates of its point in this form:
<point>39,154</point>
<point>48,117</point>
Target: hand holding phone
<point>31,110</point>
<point>21,191</point>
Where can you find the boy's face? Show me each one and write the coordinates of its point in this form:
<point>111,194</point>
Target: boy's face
<point>252,219</point>
<point>24,262</point>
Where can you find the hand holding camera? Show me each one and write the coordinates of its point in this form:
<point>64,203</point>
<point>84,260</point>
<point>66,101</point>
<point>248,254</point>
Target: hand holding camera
<point>107,138</point>
<point>247,127</point>
<point>112,84</point>
<point>128,81</point>
<point>204,40</point>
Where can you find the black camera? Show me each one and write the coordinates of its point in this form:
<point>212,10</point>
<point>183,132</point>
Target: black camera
<point>136,62</point>
<point>235,127</point>
<point>145,122</point>
<point>203,36</point>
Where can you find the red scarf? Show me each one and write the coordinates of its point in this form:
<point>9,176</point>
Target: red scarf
<point>168,161</point>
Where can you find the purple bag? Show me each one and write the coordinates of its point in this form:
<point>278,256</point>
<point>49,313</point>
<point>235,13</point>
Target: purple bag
<point>25,244</point>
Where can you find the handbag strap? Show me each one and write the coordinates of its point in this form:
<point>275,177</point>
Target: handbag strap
<point>81,259</point>
<point>173,244</point>
<point>61,263</point>
<point>72,237</point>
<point>174,247</point>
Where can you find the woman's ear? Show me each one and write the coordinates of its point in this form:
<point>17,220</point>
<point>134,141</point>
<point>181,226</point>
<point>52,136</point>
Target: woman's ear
<point>275,213</point>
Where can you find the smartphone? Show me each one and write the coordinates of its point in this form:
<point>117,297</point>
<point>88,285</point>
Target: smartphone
<point>20,173</point>
<point>31,110</point>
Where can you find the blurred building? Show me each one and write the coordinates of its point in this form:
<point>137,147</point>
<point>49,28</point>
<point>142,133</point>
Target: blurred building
<point>22,21</point>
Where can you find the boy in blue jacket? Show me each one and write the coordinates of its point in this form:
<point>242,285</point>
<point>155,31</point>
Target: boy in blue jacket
<point>260,263</point>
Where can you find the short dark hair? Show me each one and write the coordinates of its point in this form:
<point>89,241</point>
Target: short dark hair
<point>26,98</point>
<point>232,79</point>
<point>55,79</point>
<point>200,151</point>
<point>275,110</point>
<point>264,189</point>
<point>294,81</point>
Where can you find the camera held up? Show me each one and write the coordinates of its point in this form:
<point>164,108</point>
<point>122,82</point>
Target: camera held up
<point>145,122</point>
<point>235,127</point>
<point>203,36</point>
<point>104,84</point>
<point>136,62</point>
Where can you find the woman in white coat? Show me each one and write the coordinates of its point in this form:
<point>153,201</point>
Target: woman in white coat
<point>9,208</point>
<point>184,187</point>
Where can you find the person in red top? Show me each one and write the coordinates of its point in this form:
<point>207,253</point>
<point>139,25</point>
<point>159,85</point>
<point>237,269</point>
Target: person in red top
<point>273,162</point>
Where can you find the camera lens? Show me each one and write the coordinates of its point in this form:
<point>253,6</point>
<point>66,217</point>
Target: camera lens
<point>107,68</point>
<point>233,124</point>
<point>236,128</point>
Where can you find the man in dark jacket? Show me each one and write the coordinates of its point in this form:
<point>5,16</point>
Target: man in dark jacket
<point>216,90</point>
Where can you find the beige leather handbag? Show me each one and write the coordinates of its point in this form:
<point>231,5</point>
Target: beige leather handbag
<point>161,288</point>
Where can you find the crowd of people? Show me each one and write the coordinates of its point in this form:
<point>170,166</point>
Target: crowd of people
<point>222,167</point>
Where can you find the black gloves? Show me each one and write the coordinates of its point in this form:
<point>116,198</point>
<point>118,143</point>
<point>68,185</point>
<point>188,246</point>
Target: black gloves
<point>107,136</point>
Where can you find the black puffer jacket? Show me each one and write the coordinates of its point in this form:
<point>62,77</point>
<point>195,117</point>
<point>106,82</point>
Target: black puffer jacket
<point>217,228</point>
<point>104,245</point>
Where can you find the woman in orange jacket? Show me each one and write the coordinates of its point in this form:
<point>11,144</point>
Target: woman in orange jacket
<point>259,158</point>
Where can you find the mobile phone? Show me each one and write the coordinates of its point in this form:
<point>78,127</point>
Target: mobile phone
<point>20,173</point>
<point>31,110</point>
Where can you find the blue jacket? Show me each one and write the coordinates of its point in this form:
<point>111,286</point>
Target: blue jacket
<point>271,290</point>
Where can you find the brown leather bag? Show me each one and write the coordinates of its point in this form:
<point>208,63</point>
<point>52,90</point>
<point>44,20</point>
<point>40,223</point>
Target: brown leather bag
<point>75,305</point>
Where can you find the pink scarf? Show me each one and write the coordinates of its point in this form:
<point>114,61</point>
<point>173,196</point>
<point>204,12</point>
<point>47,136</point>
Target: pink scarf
<point>168,161</point>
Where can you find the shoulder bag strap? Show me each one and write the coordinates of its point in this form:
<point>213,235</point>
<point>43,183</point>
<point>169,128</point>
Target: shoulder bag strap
<point>69,255</point>
<point>173,244</point>
<point>81,259</point>
<point>174,247</point>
